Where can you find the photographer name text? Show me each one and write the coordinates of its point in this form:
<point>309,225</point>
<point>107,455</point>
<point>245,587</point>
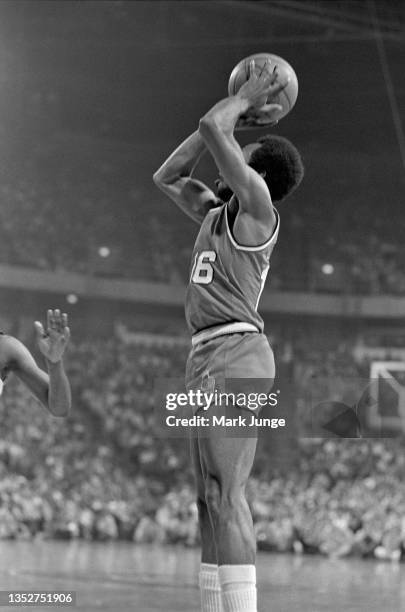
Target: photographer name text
<point>223,421</point>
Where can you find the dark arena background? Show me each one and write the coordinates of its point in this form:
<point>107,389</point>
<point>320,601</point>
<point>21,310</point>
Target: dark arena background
<point>93,97</point>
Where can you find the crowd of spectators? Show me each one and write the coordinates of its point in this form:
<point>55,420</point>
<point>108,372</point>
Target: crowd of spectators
<point>105,472</point>
<point>57,216</point>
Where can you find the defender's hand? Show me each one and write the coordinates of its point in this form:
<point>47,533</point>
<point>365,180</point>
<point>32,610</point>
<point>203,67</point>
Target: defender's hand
<point>53,341</point>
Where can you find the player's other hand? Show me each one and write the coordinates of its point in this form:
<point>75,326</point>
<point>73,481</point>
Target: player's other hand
<point>53,340</point>
<point>266,116</point>
<point>262,86</point>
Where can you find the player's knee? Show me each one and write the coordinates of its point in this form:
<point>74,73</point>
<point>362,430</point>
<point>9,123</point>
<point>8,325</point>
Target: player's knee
<point>225,501</point>
<point>231,501</point>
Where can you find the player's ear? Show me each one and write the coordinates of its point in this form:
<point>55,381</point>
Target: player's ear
<point>263,174</point>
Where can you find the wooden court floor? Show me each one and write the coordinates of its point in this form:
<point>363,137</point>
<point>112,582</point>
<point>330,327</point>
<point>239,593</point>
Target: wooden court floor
<point>127,578</point>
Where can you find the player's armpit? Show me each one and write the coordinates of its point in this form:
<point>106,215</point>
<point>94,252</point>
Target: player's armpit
<point>250,232</point>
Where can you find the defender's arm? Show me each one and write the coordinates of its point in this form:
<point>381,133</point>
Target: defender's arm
<point>52,389</point>
<point>175,179</point>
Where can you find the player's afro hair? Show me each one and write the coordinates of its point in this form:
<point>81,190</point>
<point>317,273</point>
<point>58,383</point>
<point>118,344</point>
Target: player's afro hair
<point>281,162</point>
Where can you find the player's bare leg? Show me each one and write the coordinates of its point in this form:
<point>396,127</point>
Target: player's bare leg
<point>208,549</point>
<point>227,463</point>
<point>208,577</point>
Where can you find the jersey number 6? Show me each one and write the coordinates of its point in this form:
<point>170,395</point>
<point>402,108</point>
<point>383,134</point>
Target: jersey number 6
<point>203,272</point>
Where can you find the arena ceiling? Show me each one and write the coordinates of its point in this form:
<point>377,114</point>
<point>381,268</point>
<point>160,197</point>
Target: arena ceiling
<point>145,71</point>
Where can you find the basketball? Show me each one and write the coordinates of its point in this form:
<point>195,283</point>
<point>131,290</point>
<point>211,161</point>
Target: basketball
<point>286,98</point>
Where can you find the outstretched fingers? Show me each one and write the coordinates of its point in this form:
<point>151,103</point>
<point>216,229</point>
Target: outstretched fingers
<point>50,320</point>
<point>57,322</point>
<point>64,320</point>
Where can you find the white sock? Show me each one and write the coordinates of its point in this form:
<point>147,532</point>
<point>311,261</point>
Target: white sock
<point>238,588</point>
<point>209,588</point>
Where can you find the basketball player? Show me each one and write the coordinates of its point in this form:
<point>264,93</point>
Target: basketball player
<point>239,229</point>
<point>51,388</point>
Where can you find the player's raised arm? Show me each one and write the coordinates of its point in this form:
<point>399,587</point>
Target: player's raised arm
<point>256,216</point>
<point>175,179</point>
<point>52,388</point>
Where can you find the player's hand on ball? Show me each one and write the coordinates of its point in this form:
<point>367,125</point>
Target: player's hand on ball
<point>259,90</point>
<point>53,340</point>
<point>261,87</point>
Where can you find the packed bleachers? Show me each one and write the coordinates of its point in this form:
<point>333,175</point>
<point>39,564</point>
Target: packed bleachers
<point>104,473</point>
